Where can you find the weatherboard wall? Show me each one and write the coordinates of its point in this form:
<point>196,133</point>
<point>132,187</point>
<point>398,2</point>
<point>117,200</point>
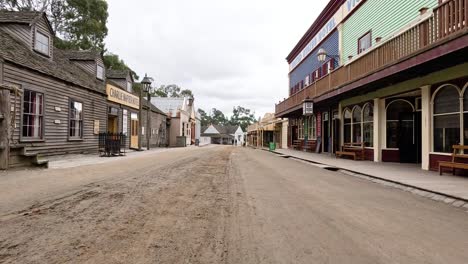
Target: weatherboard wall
<point>311,63</point>
<point>382,18</point>
<point>57,96</point>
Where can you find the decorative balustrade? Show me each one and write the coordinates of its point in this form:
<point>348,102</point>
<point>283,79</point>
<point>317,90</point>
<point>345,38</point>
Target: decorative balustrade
<point>447,19</point>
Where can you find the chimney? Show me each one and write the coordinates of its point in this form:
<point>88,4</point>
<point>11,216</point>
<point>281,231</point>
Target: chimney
<point>190,101</point>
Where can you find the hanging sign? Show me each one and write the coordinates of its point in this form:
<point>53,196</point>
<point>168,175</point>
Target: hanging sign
<point>308,108</point>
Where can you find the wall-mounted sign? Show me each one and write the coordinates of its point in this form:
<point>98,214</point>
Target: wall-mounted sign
<point>308,108</point>
<point>120,96</point>
<point>344,11</point>
<point>96,127</point>
<point>58,109</point>
<point>125,122</point>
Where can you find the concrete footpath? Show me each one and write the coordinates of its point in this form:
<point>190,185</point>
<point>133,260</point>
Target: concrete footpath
<point>409,175</point>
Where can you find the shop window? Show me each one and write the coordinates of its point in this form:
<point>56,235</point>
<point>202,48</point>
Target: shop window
<point>368,125</point>
<point>446,119</point>
<point>347,118</point>
<point>76,120</point>
<point>365,42</point>
<point>33,115</point>
<point>312,126</point>
<point>465,118</point>
<point>300,128</point>
<point>394,111</point>
<point>357,119</point>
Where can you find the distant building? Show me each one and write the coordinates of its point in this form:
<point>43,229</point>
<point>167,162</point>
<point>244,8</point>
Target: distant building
<point>222,135</point>
<point>183,124</point>
<point>269,129</point>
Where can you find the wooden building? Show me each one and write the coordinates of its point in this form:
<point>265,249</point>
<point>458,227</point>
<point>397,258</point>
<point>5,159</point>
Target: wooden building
<point>398,88</point>
<point>61,107</point>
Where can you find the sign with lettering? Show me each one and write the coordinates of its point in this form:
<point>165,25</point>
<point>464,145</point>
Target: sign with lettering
<point>120,96</point>
<point>125,122</point>
<point>344,11</point>
<point>96,127</point>
<point>308,108</point>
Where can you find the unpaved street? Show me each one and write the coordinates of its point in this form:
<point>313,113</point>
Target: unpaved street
<point>220,205</point>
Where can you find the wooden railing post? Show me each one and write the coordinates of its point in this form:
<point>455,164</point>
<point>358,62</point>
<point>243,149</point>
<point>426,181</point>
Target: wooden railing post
<point>5,120</point>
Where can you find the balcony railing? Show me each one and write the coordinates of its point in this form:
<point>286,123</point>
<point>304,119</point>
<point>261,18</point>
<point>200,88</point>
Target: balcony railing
<point>446,20</point>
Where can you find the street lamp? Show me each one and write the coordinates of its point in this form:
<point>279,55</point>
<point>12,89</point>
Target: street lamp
<point>146,87</point>
<point>322,55</point>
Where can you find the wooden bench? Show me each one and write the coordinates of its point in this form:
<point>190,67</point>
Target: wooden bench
<point>354,150</point>
<point>297,144</point>
<point>310,145</point>
<point>459,160</point>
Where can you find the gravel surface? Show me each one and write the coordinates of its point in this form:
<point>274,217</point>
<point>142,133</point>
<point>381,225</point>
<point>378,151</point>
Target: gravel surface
<point>220,205</point>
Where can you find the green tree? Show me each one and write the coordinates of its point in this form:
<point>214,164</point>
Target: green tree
<point>242,117</point>
<point>205,118</point>
<point>112,61</point>
<point>172,90</point>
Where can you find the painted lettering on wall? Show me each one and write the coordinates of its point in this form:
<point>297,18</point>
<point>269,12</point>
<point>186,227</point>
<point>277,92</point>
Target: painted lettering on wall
<point>344,11</point>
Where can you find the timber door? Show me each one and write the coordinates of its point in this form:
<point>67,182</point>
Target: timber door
<point>409,137</point>
<point>134,131</point>
<point>326,133</point>
<point>336,132</point>
<point>112,124</point>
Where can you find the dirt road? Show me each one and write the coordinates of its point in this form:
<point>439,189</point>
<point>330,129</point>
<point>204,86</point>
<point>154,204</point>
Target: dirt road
<point>222,205</point>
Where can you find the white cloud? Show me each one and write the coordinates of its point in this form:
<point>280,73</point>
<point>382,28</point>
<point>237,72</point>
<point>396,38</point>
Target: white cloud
<point>228,53</point>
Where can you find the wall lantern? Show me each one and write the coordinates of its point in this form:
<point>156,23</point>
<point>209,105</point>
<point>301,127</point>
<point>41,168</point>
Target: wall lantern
<point>322,55</point>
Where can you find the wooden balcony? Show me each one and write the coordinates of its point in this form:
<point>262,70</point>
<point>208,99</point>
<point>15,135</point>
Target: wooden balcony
<point>447,20</point>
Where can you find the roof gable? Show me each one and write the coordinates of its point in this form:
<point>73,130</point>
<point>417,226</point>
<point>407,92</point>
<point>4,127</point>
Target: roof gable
<point>211,130</point>
<point>24,17</point>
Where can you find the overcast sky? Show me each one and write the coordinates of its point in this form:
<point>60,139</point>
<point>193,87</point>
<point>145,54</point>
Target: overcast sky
<point>228,53</point>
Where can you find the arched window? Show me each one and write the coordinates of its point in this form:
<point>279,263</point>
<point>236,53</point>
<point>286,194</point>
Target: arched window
<point>357,119</point>
<point>446,118</point>
<point>347,125</point>
<point>396,118</point>
<point>368,125</point>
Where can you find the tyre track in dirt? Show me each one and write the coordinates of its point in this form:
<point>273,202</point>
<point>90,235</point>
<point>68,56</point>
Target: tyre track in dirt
<point>167,214</point>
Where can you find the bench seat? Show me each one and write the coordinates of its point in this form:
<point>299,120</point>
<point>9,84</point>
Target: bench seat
<point>454,164</point>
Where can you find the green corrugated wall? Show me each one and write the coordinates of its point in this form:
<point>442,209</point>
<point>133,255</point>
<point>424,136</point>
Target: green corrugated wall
<point>383,17</point>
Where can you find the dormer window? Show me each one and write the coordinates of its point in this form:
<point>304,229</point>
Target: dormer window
<point>41,43</point>
<point>129,87</point>
<point>100,72</point>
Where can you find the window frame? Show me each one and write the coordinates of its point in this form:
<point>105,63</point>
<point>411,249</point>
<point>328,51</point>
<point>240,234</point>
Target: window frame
<point>32,139</point>
<point>368,33</point>
<point>129,86</point>
<point>391,120</point>
<point>97,72</point>
<point>460,113</point>
<point>36,32</point>
<point>75,138</point>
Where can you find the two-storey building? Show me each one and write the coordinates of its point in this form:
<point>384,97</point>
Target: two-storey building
<point>399,88</point>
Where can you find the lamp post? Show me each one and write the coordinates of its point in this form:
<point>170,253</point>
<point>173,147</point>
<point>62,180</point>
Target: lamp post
<point>146,87</point>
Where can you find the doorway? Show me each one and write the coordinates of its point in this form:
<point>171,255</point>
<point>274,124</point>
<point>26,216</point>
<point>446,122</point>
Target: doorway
<point>294,134</point>
<point>134,131</point>
<point>326,132</point>
<point>335,132</point>
<point>409,137</point>
<point>112,124</point>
